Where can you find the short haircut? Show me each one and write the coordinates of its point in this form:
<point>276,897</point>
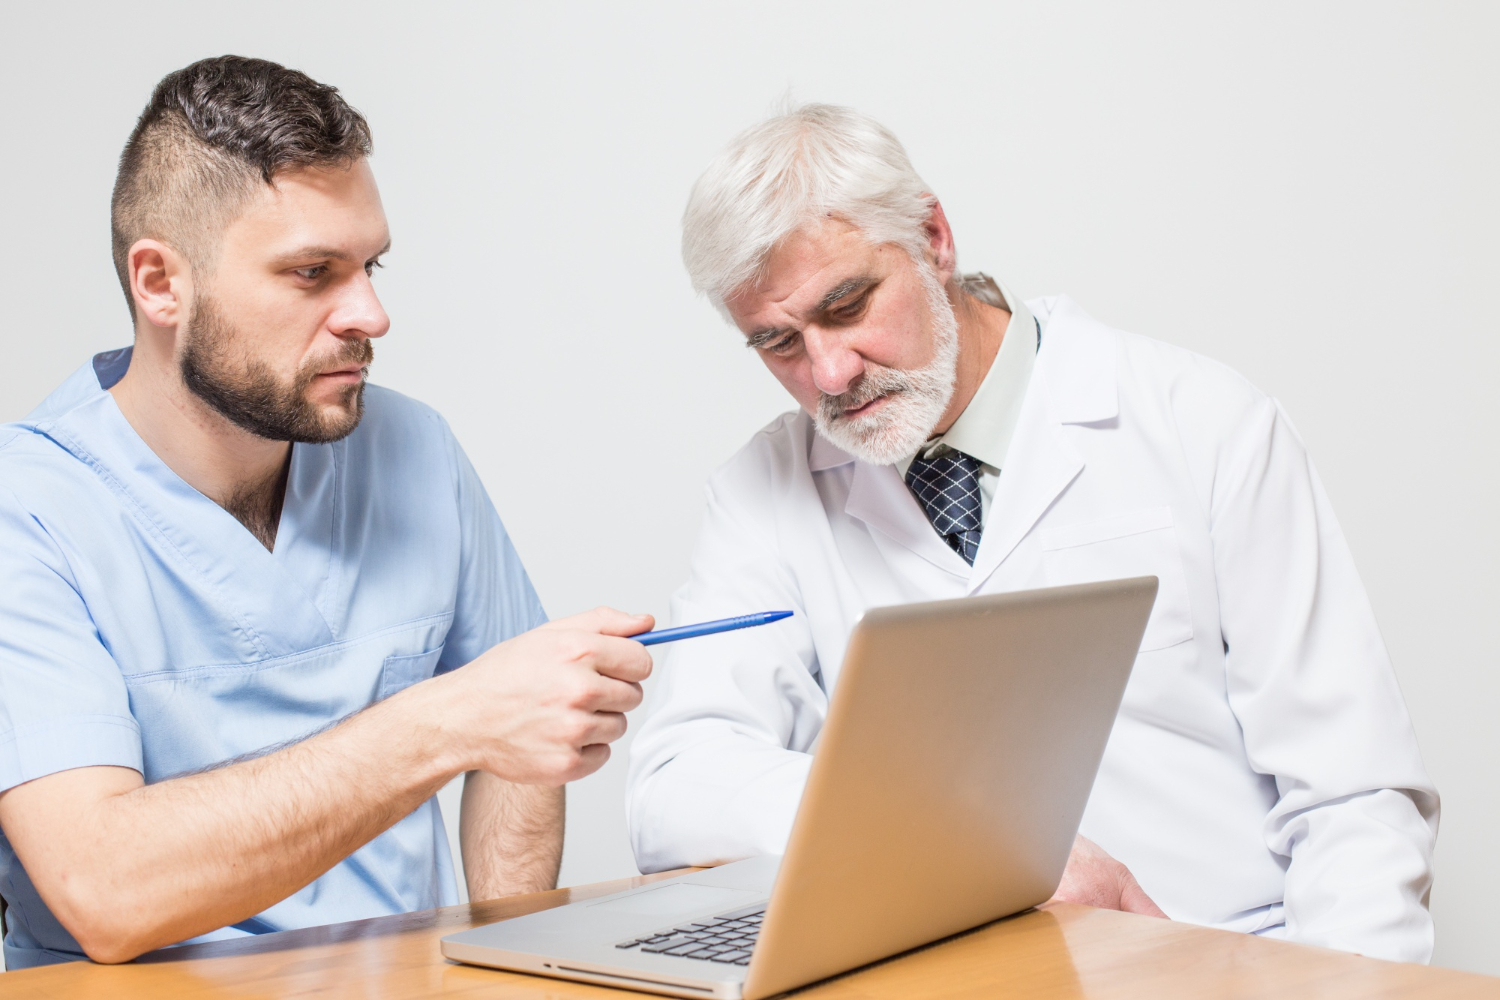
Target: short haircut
<point>209,134</point>
<point>777,177</point>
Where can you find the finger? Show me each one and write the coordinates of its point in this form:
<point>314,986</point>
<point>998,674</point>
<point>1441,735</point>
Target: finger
<point>605,621</point>
<point>590,759</point>
<point>604,727</point>
<point>622,659</point>
<point>1070,891</point>
<point>610,695</point>
<point>1133,898</point>
<point>1084,850</point>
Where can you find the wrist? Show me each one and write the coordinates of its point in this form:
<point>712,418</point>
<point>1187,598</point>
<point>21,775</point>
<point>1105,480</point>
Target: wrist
<point>419,720</point>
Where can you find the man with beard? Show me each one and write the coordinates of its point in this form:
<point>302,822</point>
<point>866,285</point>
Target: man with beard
<point>1262,774</point>
<point>237,584</point>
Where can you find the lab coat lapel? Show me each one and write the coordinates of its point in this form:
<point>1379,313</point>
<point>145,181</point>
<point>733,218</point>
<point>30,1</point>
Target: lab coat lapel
<point>879,499</point>
<point>1039,466</point>
<point>1074,382</point>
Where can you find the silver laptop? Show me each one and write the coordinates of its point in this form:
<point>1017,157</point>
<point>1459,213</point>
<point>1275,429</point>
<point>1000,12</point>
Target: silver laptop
<point>951,775</point>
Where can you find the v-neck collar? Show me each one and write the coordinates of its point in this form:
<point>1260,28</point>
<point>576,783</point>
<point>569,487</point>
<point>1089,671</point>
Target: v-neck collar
<point>274,595</point>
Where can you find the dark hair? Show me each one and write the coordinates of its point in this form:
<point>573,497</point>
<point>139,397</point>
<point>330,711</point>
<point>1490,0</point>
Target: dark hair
<point>209,133</point>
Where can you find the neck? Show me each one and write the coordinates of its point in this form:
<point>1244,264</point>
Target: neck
<point>981,328</point>
<point>243,473</point>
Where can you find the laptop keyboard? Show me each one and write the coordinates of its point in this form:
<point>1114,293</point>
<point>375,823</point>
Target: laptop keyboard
<point>726,939</point>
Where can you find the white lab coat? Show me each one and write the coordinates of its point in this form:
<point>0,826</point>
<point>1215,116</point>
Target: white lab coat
<point>1262,774</point>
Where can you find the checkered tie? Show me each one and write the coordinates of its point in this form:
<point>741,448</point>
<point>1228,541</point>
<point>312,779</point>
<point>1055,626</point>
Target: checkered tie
<point>947,487</point>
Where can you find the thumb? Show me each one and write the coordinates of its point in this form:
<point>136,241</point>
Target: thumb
<point>605,621</point>
<point>1133,898</point>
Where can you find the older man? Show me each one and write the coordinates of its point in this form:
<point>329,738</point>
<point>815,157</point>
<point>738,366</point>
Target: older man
<point>253,612</point>
<point>1262,774</point>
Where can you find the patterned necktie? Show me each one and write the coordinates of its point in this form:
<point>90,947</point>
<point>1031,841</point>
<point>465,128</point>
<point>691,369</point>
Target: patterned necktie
<point>947,487</point>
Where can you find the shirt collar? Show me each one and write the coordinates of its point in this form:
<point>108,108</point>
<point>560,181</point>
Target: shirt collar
<point>985,428</point>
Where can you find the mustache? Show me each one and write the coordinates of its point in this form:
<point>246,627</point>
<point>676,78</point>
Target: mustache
<point>351,352</point>
<point>873,384</point>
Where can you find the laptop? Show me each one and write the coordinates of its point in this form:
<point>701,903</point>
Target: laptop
<point>951,774</point>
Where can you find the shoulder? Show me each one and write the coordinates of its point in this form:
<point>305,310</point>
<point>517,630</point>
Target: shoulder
<point>770,462</point>
<point>39,472</point>
<point>46,494</point>
<point>387,408</point>
<point>1148,374</point>
<point>396,426</point>
<point>403,448</point>
<point>1186,377</point>
<point>26,441</point>
<point>79,389</point>
<point>48,458</point>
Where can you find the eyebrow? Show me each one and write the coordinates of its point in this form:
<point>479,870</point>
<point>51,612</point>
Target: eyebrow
<point>329,253</point>
<point>844,289</point>
<point>760,338</point>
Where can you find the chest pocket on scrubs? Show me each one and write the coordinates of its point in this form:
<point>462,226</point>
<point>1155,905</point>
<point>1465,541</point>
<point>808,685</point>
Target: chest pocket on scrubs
<point>400,672</point>
<point>1139,543</point>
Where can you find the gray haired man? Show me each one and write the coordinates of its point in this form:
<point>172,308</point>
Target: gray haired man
<point>951,439</point>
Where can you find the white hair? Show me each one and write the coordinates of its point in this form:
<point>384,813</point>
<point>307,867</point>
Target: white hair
<point>815,161</point>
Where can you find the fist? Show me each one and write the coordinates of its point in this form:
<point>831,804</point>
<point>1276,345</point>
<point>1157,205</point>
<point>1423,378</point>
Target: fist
<point>542,708</point>
<point>1093,878</point>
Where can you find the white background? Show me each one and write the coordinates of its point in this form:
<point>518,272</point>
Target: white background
<point>1306,191</point>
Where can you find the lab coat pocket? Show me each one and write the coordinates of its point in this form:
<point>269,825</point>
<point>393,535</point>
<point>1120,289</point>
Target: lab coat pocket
<point>399,672</point>
<point>1138,543</point>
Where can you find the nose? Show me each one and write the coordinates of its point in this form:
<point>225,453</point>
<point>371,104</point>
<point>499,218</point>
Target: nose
<point>835,365</point>
<point>359,312</point>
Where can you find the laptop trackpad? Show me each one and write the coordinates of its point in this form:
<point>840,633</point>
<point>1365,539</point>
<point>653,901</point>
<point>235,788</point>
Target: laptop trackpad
<point>679,897</point>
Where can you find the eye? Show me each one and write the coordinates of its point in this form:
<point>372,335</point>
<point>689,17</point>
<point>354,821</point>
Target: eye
<point>371,265</point>
<point>851,310</point>
<point>784,345</point>
<point>312,273</point>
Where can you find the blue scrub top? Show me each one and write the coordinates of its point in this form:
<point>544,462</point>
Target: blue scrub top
<point>141,625</point>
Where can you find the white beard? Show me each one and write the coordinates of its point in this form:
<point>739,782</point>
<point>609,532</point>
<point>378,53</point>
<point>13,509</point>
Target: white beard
<point>915,398</point>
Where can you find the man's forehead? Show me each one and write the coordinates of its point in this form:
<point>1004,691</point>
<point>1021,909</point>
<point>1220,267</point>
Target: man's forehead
<point>328,180</point>
<point>338,209</point>
<point>810,271</point>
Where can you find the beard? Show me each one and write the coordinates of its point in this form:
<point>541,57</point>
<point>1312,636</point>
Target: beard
<point>217,367</point>
<point>915,398</point>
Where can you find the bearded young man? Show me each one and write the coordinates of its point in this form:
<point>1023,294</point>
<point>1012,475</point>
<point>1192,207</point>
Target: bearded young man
<point>1262,774</point>
<point>237,583</point>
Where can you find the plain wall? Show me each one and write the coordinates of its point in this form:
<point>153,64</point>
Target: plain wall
<point>1306,191</point>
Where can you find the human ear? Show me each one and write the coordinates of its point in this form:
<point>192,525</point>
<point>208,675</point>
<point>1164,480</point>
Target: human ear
<point>158,282</point>
<point>940,243</point>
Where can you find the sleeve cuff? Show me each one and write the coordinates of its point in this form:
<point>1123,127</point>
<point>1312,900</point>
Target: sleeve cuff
<point>40,749</point>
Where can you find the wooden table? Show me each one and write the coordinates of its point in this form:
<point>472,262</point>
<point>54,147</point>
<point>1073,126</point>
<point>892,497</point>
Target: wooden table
<point>1058,951</point>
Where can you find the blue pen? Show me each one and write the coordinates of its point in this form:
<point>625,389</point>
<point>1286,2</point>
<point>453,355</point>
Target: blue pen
<point>709,628</point>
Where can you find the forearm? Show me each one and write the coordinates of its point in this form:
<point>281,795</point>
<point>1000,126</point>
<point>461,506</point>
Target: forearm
<point>718,800</point>
<point>1360,872</point>
<point>1318,704</point>
<point>512,836</point>
<point>127,867</point>
<point>164,862</point>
